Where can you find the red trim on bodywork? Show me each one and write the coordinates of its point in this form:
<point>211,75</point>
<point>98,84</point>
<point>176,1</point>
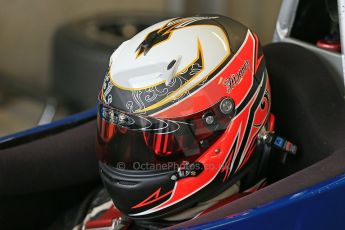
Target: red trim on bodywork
<point>105,220</point>
<point>331,45</point>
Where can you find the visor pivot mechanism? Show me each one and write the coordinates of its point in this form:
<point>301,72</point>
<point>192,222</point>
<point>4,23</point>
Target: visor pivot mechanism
<point>187,170</point>
<point>227,106</point>
<point>209,120</point>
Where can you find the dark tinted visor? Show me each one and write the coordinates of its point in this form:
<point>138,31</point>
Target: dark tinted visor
<point>134,141</point>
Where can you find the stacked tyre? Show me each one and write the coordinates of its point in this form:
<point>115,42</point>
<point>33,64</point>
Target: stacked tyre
<point>81,52</point>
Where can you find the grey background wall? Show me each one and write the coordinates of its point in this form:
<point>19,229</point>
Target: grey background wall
<point>27,27</point>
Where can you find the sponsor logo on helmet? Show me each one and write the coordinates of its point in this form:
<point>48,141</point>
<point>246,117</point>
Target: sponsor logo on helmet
<point>236,78</point>
<point>116,117</point>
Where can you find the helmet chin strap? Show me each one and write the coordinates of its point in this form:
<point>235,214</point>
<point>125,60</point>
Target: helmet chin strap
<point>202,206</point>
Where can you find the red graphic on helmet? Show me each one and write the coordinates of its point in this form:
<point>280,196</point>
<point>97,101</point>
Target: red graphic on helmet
<point>152,198</point>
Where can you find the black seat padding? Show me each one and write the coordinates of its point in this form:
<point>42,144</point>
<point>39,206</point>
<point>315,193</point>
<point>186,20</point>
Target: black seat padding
<point>310,111</point>
<point>43,178</point>
<point>63,159</point>
<point>309,108</point>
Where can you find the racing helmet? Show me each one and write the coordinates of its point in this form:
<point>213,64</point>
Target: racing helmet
<point>180,111</point>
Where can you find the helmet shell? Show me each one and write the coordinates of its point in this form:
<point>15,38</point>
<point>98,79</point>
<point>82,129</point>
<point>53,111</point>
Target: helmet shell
<point>177,68</point>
